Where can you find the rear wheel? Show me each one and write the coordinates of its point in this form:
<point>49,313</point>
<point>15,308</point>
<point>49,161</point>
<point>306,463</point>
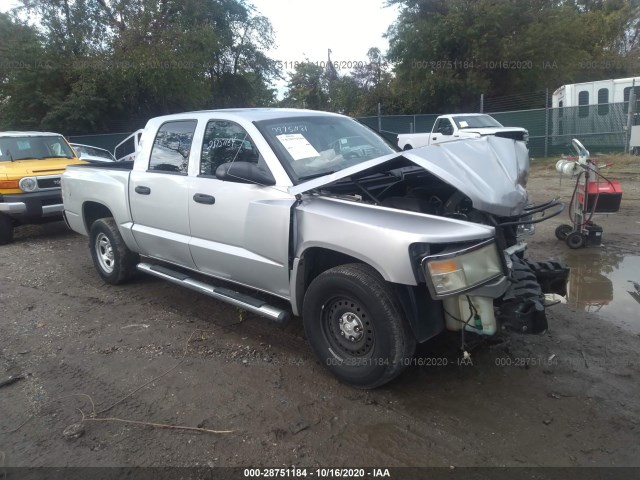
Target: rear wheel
<point>6,229</point>
<point>575,240</point>
<point>355,326</point>
<point>112,258</point>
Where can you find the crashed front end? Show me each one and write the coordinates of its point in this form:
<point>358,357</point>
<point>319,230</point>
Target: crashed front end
<point>485,284</point>
<point>484,289</point>
<point>491,285</point>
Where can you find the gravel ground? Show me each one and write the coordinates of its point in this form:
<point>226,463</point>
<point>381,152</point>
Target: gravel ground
<point>569,397</point>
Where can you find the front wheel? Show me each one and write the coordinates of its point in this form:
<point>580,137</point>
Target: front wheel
<point>355,327</point>
<point>112,258</point>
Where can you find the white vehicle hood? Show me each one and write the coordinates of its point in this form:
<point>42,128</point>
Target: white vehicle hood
<point>492,130</point>
<point>491,171</point>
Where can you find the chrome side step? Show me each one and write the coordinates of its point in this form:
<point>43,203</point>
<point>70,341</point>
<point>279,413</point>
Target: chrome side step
<point>237,299</point>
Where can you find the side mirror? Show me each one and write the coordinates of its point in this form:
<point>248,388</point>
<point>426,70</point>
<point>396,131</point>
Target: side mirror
<point>244,172</point>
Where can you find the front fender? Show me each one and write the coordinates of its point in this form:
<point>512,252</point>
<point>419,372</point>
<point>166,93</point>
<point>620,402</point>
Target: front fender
<point>378,236</point>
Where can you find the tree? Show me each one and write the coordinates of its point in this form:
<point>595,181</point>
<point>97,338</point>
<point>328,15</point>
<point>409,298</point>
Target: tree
<point>307,87</point>
<point>448,52</point>
<point>23,87</point>
<point>113,64</point>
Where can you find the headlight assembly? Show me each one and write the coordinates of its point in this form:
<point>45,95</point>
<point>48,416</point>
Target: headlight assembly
<point>453,272</point>
<point>28,184</point>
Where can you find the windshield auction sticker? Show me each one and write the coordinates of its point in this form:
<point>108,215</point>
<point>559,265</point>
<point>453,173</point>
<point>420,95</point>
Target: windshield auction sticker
<point>297,146</point>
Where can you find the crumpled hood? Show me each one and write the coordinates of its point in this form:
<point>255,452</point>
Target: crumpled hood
<point>491,171</point>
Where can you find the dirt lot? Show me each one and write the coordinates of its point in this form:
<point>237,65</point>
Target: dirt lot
<point>568,397</point>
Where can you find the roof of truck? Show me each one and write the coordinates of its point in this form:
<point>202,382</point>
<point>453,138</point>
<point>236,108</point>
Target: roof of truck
<point>253,114</point>
<point>464,115</point>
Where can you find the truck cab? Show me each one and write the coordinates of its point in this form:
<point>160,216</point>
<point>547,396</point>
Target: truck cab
<point>449,128</point>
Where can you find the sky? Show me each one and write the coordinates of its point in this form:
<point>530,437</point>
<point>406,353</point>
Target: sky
<point>307,28</point>
<point>7,5</point>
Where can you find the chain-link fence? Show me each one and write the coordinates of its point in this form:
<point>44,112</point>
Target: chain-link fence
<point>601,128</point>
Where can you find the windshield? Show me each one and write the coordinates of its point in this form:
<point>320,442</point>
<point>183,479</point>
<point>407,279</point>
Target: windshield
<point>313,146</point>
<point>34,148</point>
<point>476,121</point>
<point>84,150</point>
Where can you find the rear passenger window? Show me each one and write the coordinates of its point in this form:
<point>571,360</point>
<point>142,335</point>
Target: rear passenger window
<point>225,142</point>
<point>127,148</point>
<point>170,153</point>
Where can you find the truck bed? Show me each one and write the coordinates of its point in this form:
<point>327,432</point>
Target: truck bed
<point>88,185</point>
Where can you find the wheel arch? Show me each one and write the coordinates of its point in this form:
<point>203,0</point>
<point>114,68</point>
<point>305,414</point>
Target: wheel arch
<point>92,211</point>
<point>312,262</point>
<point>424,314</point>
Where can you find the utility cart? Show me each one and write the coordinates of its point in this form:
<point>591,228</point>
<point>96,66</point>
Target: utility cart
<point>593,194</point>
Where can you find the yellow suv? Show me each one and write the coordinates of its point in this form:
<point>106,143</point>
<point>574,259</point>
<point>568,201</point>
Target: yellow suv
<point>31,164</point>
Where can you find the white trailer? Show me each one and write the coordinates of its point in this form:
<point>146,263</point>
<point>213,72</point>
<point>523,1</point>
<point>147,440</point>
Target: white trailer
<point>595,111</point>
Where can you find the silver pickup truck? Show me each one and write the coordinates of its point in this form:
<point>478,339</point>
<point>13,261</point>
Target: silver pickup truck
<point>376,249</point>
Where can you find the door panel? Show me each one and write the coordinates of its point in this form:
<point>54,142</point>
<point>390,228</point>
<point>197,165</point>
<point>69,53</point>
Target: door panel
<point>159,196</point>
<point>442,132</point>
<point>244,236</point>
<point>160,218</point>
<point>239,231</point>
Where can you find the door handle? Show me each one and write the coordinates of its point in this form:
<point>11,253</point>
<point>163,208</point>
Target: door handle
<point>202,198</point>
<point>143,190</point>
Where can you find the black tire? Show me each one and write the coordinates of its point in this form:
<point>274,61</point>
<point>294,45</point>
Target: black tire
<point>114,262</point>
<point>563,231</point>
<point>356,295</point>
<point>6,229</point>
<point>575,240</point>
<point>407,147</point>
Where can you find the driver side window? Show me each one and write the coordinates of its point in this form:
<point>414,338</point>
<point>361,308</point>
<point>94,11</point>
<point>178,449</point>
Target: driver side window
<point>225,142</point>
<point>444,127</point>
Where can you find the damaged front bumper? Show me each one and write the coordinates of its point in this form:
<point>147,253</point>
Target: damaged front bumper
<point>512,299</point>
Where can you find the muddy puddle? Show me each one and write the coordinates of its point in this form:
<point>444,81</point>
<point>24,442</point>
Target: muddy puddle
<point>606,284</point>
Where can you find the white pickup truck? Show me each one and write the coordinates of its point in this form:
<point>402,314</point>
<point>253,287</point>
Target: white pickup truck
<point>377,249</point>
<point>448,128</point>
